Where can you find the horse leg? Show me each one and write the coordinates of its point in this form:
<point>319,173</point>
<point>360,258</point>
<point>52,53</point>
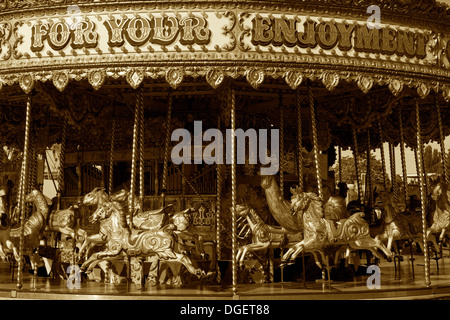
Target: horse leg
<point>187,262</point>
<point>288,255</point>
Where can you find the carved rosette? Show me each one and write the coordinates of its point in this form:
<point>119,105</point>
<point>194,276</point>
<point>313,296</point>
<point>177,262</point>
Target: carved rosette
<point>60,80</point>
<point>174,77</point>
<point>96,78</point>
<point>26,82</point>
<point>330,80</point>
<point>215,77</point>
<point>294,79</point>
<point>255,77</point>
<point>135,77</point>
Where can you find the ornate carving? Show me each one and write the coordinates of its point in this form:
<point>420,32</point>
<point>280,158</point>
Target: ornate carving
<point>97,78</point>
<point>423,90</point>
<point>294,79</point>
<point>330,80</point>
<point>26,82</point>
<point>396,86</point>
<point>215,77</point>
<point>365,83</point>
<point>174,76</point>
<point>135,77</point>
<point>60,80</point>
<point>255,77</point>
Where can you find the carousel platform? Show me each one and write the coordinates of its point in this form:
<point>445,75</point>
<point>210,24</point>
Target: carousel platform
<point>409,284</point>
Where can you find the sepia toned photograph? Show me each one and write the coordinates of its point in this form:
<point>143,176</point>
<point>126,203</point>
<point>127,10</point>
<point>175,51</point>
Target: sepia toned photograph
<point>242,152</point>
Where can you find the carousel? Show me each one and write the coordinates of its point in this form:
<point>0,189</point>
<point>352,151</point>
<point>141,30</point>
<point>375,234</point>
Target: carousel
<point>200,149</point>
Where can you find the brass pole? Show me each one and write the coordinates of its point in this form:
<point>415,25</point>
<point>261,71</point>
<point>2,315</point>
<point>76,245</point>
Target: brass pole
<point>111,157</point>
<point>232,98</point>
<point>134,154</point>
<point>315,142</point>
<point>62,156</point>
<point>23,188</point>
<point>422,196</point>
<point>299,140</point>
<point>402,149</point>
<point>141,149</point>
<point>441,140</point>
<point>166,149</point>
<point>383,158</point>
<point>355,156</point>
<point>281,143</point>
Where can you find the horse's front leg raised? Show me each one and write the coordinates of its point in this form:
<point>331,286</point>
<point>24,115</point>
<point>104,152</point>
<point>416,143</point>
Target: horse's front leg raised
<point>93,239</point>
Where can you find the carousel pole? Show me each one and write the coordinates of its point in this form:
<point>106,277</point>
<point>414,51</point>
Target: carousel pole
<point>441,140</point>
<point>166,149</point>
<point>299,140</point>
<point>402,150</point>
<point>369,172</point>
<point>219,173</point>
<point>393,170</point>
<point>232,101</point>
<point>420,173</point>
<point>383,159</point>
<point>22,190</point>
<point>315,142</point>
<point>281,143</point>
<point>134,154</point>
<point>300,166</point>
<point>141,150</point>
<point>111,157</point>
<point>62,157</point>
<point>355,156</point>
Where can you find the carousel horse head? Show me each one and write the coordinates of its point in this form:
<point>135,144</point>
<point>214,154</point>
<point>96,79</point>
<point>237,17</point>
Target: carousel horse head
<point>266,181</point>
<point>96,196</point>
<point>439,189</point>
<point>183,219</point>
<point>102,212</point>
<point>301,201</point>
<point>120,196</point>
<point>242,208</point>
<point>32,195</point>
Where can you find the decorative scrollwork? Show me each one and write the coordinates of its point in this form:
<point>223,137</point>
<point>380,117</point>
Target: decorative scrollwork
<point>5,36</point>
<point>423,90</point>
<point>228,31</point>
<point>246,32</point>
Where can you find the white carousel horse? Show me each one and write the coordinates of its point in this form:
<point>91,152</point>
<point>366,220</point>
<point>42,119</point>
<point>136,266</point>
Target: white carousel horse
<point>121,239</point>
<point>263,236</point>
<point>320,232</point>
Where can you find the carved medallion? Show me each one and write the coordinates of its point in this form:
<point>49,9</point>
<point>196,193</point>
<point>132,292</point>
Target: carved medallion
<point>60,80</point>
<point>330,80</point>
<point>215,77</point>
<point>294,79</point>
<point>423,90</point>
<point>174,76</point>
<point>26,82</point>
<point>97,78</point>
<point>396,87</point>
<point>135,77</point>
<point>365,83</point>
<point>255,77</point>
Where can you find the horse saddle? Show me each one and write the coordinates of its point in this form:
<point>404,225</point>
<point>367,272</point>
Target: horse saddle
<point>335,228</point>
<point>153,219</point>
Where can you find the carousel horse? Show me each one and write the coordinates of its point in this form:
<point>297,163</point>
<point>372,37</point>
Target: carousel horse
<point>441,214</point>
<point>121,239</point>
<point>263,235</point>
<point>396,224</point>
<point>320,232</point>
<point>5,225</point>
<point>33,230</point>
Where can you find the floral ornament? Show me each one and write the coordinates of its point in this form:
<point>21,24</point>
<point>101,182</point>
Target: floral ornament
<point>135,77</point>
<point>60,80</point>
<point>396,87</point>
<point>96,78</point>
<point>255,77</point>
<point>365,83</point>
<point>215,77</point>
<point>330,80</point>
<point>294,79</point>
<point>174,76</point>
<point>26,82</point>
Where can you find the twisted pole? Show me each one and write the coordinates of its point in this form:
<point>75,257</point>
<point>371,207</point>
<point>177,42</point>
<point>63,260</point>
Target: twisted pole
<point>315,142</point>
<point>383,158</point>
<point>232,99</point>
<point>299,140</point>
<point>134,155</point>
<point>402,150</point>
<point>166,148</point>
<point>281,143</point>
<point>441,140</point>
<point>355,156</point>
<point>420,173</point>
<point>111,157</point>
<point>22,190</point>
<point>141,149</point>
